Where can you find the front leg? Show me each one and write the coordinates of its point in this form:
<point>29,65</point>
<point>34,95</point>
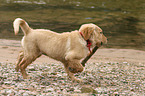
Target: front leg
<point>71,74</point>
<point>72,65</point>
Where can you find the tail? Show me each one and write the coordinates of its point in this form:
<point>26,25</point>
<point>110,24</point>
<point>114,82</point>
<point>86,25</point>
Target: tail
<point>23,24</point>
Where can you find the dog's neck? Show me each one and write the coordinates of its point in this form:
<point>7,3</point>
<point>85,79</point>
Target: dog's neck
<point>88,42</point>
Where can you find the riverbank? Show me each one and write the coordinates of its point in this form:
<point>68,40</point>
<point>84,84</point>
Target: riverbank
<point>9,50</point>
<point>108,72</point>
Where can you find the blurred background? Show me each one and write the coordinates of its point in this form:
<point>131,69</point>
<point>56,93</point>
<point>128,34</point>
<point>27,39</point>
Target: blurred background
<point>122,21</point>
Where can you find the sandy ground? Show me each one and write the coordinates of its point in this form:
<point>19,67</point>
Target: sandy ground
<point>110,72</point>
<point>9,50</point>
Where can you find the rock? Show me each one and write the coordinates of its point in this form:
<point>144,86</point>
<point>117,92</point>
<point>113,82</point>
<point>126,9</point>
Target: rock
<point>25,94</point>
<point>7,82</point>
<point>70,89</point>
<point>88,90</point>
<point>49,90</point>
<point>1,82</point>
<point>77,91</point>
<point>9,91</point>
<point>53,73</point>
<point>44,74</point>
<point>116,93</point>
<point>46,83</point>
<point>32,69</point>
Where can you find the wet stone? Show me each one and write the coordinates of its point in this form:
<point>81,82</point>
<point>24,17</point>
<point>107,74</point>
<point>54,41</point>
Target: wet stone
<point>88,90</point>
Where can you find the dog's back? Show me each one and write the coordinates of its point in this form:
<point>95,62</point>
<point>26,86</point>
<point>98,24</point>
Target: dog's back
<point>41,41</point>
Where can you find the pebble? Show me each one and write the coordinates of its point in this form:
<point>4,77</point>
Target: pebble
<point>51,79</point>
<point>88,90</point>
<point>49,90</point>
<point>77,91</point>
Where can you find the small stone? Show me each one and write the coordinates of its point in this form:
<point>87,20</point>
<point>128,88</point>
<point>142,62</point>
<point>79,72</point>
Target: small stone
<point>25,94</point>
<point>7,82</point>
<point>44,74</point>
<point>21,91</point>
<point>88,90</point>
<point>32,69</point>
<point>9,91</point>
<point>49,90</point>
<point>77,91</point>
<point>70,90</point>
<point>132,89</point>
<point>116,93</point>
<point>46,83</point>
<point>1,82</point>
<point>54,73</point>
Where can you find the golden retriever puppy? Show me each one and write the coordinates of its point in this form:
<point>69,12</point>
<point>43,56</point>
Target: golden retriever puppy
<point>68,47</point>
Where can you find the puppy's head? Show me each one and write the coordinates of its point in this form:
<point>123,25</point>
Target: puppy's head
<point>93,33</point>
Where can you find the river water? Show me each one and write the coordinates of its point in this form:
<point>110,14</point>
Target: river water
<point>122,21</point>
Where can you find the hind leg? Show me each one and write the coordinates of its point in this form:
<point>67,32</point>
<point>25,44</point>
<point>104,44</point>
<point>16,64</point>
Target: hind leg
<point>19,59</point>
<point>23,64</point>
<point>27,60</point>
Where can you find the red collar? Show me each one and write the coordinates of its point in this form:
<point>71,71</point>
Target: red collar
<point>88,43</point>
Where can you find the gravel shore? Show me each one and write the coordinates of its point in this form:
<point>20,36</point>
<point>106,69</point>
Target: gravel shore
<point>50,79</point>
<point>114,72</point>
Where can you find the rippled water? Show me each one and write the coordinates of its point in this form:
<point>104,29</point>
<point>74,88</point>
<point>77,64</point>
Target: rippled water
<point>123,21</point>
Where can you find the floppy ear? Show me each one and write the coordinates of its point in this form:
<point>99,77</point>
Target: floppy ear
<point>87,31</point>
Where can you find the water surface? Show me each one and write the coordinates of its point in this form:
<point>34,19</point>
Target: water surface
<point>123,21</point>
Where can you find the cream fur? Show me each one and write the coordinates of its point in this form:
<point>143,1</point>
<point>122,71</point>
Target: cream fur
<point>68,47</point>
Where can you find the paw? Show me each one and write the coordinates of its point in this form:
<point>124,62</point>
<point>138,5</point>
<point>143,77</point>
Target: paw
<point>26,77</point>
